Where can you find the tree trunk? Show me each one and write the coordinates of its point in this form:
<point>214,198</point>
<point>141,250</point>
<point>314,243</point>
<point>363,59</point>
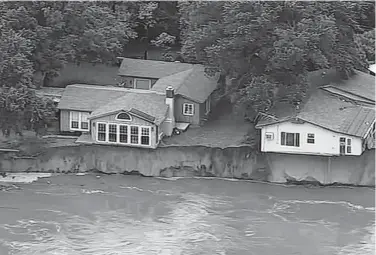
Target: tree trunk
<point>39,79</point>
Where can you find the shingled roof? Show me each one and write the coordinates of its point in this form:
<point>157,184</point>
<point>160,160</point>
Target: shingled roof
<point>329,112</point>
<point>193,84</point>
<point>80,97</point>
<point>150,68</point>
<point>152,104</point>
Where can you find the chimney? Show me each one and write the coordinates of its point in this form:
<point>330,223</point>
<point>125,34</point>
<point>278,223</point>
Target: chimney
<point>170,119</point>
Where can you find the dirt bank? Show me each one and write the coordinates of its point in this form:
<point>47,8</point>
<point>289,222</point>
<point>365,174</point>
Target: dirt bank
<point>240,162</point>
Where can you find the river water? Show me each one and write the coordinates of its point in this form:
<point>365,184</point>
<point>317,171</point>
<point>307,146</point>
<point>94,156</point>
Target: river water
<point>119,215</point>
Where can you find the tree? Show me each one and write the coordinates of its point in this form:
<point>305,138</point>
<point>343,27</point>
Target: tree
<point>16,69</point>
<point>268,47</point>
<point>366,45</point>
<point>67,31</point>
<point>21,108</point>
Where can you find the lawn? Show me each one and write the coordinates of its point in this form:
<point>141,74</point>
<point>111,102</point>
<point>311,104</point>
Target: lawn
<point>222,133</point>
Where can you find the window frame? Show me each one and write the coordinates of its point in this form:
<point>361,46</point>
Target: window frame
<point>105,132</point>
<point>311,140</point>
<point>141,79</point>
<point>81,116</point>
<point>348,146</point>
<point>117,116</point>
<point>296,139</point>
<point>128,134</point>
<point>187,113</point>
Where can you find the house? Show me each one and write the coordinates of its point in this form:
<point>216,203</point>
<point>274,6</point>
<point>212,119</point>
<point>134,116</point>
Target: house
<point>193,87</point>
<point>142,115</point>
<point>372,69</point>
<point>337,119</point>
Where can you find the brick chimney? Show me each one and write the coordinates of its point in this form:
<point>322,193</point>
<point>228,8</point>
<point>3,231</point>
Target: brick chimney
<point>170,119</point>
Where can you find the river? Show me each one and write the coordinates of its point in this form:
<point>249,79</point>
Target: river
<point>120,215</point>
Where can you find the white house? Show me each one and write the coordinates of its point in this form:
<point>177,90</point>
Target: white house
<point>331,123</point>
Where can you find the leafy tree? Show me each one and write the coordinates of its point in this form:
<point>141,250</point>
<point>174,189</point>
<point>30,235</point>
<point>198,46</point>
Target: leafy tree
<point>67,31</point>
<point>268,47</point>
<point>366,45</point>
<point>21,108</point>
<point>16,69</point>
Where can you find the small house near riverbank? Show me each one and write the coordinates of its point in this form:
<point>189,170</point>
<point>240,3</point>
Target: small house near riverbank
<point>177,95</point>
<point>337,119</point>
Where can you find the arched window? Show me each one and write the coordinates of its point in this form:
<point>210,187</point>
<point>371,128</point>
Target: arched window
<point>124,116</point>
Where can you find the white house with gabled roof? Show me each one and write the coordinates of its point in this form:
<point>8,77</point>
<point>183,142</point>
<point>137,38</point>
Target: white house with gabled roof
<point>338,119</point>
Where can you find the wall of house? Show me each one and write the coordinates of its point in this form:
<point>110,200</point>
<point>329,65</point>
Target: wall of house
<point>64,121</point>
<point>135,121</point>
<point>326,142</point>
<point>129,81</point>
<point>180,117</point>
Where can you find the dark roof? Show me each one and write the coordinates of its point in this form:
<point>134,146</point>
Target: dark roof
<point>148,105</point>
<point>150,68</point>
<point>193,84</point>
<point>337,115</point>
<point>81,97</point>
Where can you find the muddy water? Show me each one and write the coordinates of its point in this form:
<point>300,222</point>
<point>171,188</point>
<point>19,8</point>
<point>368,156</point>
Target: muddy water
<point>118,215</point>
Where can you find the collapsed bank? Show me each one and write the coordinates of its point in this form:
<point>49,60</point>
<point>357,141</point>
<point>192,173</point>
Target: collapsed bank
<point>235,162</point>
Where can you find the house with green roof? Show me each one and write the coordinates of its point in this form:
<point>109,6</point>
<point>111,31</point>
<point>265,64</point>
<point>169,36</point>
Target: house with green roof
<point>153,99</point>
<point>337,119</point>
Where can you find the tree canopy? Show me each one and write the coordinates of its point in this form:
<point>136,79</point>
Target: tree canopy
<point>268,47</point>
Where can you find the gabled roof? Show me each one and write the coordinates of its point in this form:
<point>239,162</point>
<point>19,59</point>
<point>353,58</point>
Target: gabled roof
<point>141,104</point>
<point>360,84</point>
<point>193,84</point>
<point>340,116</point>
<point>80,97</point>
<point>150,68</point>
<point>330,113</point>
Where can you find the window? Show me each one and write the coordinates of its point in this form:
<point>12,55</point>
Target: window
<point>75,120</point>
<point>145,136</point>
<point>84,121</point>
<point>348,149</point>
<point>112,133</point>
<point>101,132</point>
<point>142,84</point>
<point>269,136</point>
<point>290,139</point>
<point>123,136</point>
<point>342,145</point>
<point>310,138</point>
<point>134,134</point>
<point>123,116</point>
<point>188,109</point>
<point>79,120</point>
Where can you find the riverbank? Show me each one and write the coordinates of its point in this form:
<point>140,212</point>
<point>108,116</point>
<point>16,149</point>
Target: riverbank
<point>198,161</point>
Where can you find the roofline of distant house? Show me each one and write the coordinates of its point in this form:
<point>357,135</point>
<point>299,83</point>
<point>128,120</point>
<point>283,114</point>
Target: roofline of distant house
<point>315,124</point>
<point>346,91</point>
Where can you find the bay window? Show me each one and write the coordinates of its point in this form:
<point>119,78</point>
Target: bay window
<point>123,134</point>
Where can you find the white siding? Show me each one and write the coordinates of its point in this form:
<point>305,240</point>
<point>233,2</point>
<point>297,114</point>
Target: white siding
<point>326,142</point>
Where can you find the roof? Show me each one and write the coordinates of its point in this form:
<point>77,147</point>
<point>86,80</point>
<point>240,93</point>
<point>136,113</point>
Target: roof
<point>80,97</point>
<point>141,104</point>
<point>50,91</point>
<point>361,84</point>
<point>151,68</point>
<point>330,113</point>
<point>337,115</point>
<point>360,87</point>
<point>193,84</point>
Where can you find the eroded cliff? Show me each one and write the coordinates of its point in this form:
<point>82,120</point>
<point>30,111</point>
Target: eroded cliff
<point>239,162</point>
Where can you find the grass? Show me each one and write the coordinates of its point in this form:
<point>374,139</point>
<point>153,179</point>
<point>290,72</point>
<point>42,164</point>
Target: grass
<point>222,133</point>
